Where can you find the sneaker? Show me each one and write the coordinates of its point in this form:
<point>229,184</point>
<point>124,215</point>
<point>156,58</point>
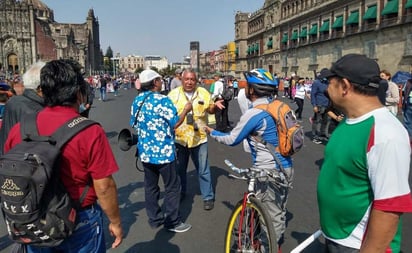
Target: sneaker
<point>316,141</point>
<point>180,228</point>
<point>311,120</point>
<point>208,204</point>
<point>324,138</point>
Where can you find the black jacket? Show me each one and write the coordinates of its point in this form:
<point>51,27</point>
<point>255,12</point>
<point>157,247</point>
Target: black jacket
<point>17,106</point>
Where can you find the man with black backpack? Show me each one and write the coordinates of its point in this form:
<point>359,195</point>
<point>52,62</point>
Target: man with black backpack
<point>259,128</point>
<point>84,169</point>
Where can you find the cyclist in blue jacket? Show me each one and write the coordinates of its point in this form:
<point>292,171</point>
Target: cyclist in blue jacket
<point>260,89</point>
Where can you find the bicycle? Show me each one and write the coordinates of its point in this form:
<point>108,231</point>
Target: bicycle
<point>250,227</point>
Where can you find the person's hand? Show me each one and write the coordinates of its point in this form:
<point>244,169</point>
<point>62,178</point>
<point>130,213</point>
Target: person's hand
<point>117,232</point>
<point>188,107</point>
<point>315,109</point>
<point>339,118</point>
<point>208,129</point>
<point>219,104</point>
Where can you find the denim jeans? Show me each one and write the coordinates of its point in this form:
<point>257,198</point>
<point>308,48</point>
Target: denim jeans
<point>199,157</point>
<point>171,217</point>
<point>87,238</point>
<point>103,93</point>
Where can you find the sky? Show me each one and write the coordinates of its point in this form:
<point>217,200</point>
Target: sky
<point>157,27</point>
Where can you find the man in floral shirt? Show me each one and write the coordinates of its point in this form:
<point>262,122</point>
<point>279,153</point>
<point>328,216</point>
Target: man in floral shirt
<point>154,117</point>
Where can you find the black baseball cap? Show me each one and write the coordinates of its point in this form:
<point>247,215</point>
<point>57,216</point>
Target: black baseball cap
<point>356,68</point>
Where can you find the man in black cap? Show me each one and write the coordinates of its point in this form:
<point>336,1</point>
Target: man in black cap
<point>363,184</point>
<point>320,103</point>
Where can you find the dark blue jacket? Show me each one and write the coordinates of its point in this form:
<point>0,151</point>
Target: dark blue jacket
<point>317,94</point>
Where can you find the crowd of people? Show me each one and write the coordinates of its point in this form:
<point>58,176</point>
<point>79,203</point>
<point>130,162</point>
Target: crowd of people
<point>363,189</point>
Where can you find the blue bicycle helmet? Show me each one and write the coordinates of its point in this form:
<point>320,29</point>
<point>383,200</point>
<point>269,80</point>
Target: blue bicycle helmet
<point>260,77</point>
<point>262,81</point>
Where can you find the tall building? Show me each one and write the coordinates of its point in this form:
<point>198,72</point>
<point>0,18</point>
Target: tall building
<point>28,33</point>
<point>303,36</point>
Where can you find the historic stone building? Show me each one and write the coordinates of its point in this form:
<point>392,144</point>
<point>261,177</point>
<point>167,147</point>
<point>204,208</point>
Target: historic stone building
<point>28,33</point>
<point>303,36</point>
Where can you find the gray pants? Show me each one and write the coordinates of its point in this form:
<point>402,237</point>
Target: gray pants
<point>274,197</point>
<point>320,120</point>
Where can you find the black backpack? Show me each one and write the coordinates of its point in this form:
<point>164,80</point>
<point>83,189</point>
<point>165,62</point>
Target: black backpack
<point>35,204</point>
<point>228,92</point>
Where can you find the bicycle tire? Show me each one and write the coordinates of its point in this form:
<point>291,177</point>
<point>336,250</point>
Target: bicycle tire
<point>139,165</point>
<point>263,238</point>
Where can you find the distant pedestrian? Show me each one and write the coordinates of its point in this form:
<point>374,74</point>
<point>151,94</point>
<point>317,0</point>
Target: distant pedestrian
<point>103,87</point>
<point>320,103</point>
<point>300,97</point>
<point>177,80</point>
<point>392,94</point>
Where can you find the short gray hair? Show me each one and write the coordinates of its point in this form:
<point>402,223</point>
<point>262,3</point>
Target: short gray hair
<point>31,78</point>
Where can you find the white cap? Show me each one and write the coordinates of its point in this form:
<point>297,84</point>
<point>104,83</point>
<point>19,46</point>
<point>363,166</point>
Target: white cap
<point>148,75</point>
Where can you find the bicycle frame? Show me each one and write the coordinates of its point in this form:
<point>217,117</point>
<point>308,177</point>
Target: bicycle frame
<point>247,238</point>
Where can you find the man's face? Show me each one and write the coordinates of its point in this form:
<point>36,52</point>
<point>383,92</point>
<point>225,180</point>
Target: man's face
<point>189,81</point>
<point>335,90</point>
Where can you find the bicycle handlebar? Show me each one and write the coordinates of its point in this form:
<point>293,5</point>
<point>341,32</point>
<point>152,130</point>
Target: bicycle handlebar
<point>236,169</point>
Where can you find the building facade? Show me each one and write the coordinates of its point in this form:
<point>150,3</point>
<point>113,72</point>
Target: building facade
<point>304,36</point>
<point>29,33</point>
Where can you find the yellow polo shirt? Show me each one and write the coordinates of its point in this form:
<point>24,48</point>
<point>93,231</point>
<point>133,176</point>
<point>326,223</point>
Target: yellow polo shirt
<point>186,135</point>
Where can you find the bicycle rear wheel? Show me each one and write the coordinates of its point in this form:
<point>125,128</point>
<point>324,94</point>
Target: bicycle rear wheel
<point>250,230</point>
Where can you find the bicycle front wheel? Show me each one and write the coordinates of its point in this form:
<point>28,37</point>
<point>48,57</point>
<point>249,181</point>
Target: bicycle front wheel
<point>251,229</point>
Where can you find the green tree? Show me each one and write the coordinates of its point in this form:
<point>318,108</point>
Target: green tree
<point>107,62</point>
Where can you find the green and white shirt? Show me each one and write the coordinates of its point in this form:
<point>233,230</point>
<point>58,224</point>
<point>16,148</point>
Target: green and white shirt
<point>366,166</point>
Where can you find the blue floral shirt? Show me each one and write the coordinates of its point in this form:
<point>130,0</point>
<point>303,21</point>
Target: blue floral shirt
<point>154,127</point>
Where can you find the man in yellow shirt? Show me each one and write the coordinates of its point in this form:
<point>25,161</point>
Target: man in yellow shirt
<point>191,139</point>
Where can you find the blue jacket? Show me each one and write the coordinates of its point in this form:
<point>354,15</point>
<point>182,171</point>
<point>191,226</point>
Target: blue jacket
<point>317,94</point>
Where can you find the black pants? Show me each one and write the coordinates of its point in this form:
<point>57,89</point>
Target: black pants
<point>299,110</point>
<point>222,117</point>
<point>332,247</point>
<point>170,215</point>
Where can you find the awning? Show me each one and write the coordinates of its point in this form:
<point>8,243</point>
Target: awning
<point>314,29</point>
<point>353,18</point>
<point>371,12</point>
<point>390,7</point>
<point>338,22</point>
<point>256,47</point>
<point>294,35</point>
<point>304,32</point>
<point>270,42</point>
<point>285,38</point>
<point>408,4</point>
<point>325,26</point>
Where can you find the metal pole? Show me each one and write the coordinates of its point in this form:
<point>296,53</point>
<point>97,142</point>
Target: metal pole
<point>307,242</point>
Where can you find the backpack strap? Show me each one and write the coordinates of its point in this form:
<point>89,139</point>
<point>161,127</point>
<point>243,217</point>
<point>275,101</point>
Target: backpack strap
<point>29,130</point>
<point>61,136</point>
<point>67,131</point>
